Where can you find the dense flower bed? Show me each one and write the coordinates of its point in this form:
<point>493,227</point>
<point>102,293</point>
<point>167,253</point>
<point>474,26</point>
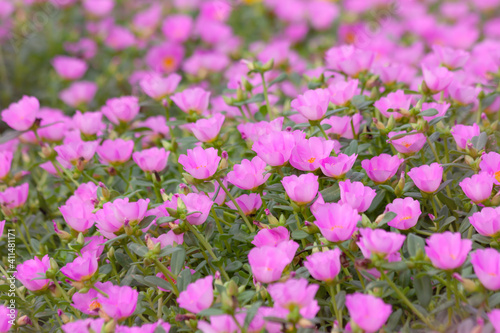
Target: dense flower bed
<point>253,166</point>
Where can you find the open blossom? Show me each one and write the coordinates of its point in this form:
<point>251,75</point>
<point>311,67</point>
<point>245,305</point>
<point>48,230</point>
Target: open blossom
<point>324,266</point>
<point>249,203</point>
<point>361,307</point>
<point>486,265</point>
<point>158,87</point>
<point>407,212</point>
<point>427,177</point>
<point>78,214</point>
<point>313,104</point>
<point>28,273</point>
<point>275,148</point>
<point>198,295</point>
<point>408,144</point>
<point>337,222</point>
<point>5,318</point>
<point>451,58</point>
<point>397,101</point>
<point>461,93</point>
<point>441,108</point>
<point>83,325</point>
<point>89,123</point>
<point>296,292</point>
<point>222,323</point>
<point>5,163</point>
<point>21,115</point>
<point>248,175</point>
<point>437,79</point>
<point>113,215</point>
<point>308,153</point>
<point>494,317</point>
<point>151,160</point>
<point>301,189</point>
<point>253,131</point>
<point>487,221</point>
<point>99,8</point>
<point>78,93</point>
<point>379,243</point>
<point>178,27</point>
<point>271,237</point>
<point>268,263</point>
<point>200,163</point>
<point>490,163</point>
<point>95,246</point>
<point>337,166</point>
<point>344,126</point>
<point>192,100</point>
<point>195,202</point>
<point>82,268</point>
<point>341,92</point>
<point>69,68</point>
<point>447,250</point>
<point>115,151</point>
<point>207,130</point>
<point>349,59</point>
<point>121,109</point>
<point>381,168</point>
<point>356,195</point>
<point>478,187</point>
<point>120,301</point>
<point>165,58</point>
<point>76,151</point>
<point>14,197</point>
<point>463,134</point>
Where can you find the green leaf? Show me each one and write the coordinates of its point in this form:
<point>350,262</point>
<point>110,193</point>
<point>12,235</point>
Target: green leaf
<point>207,187</point>
<point>234,266</point>
<point>299,234</point>
<point>352,148</point>
<point>282,77</point>
<point>140,250</point>
<point>387,217</point>
<point>395,266</point>
<point>423,289</point>
<point>146,221</point>
<point>177,261</point>
<point>9,135</point>
<point>414,243</point>
<point>211,312</point>
<point>428,113</point>
<point>159,282</point>
<point>251,313</point>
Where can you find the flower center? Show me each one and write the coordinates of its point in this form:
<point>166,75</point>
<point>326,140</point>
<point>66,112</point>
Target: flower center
<point>311,160</point>
<point>201,166</point>
<point>94,306</point>
<point>497,175</point>
<point>404,218</point>
<point>168,63</point>
<point>336,227</point>
<point>406,144</point>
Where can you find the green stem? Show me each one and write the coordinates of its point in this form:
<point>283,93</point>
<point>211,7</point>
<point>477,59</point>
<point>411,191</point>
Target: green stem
<point>243,216</point>
<point>168,275</point>
<point>49,303</point>
<point>433,149</point>
<point>268,105</point>
<point>219,228</point>
<point>322,131</point>
<point>338,315</point>
<point>448,296</point>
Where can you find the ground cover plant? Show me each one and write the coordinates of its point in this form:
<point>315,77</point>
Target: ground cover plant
<point>250,166</point>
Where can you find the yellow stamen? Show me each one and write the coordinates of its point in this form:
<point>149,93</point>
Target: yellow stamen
<point>95,305</point>
<point>168,63</point>
<point>311,160</point>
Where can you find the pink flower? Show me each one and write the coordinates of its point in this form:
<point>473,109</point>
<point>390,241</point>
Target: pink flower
<point>200,163</point>
<point>198,295</point>
<point>168,239</point>
<point>121,109</point>
<point>407,212</point>
<point>441,108</point>
<point>341,92</point>
<point>275,148</point>
<point>408,144</point>
<point>308,153</point>
<point>78,93</point>
<point>76,151</point>
<point>379,242</point>
<point>21,115</point>
<point>119,38</point>
<point>486,265</point>
<point>267,263</point>
<point>336,222</point>
<point>427,177</point>
<point>349,59</point>
<point>85,48</point>
<point>271,237</point>
<point>151,160</point>
<point>324,266</point>
<point>6,317</point>
<point>487,221</point>
<point>449,57</point>
<point>361,309</point>
<point>114,215</point>
<point>78,214</point>
<point>343,126</point>
<point>221,324</point>
<point>494,317</point>
<point>382,168</point>
<point>89,123</point>
<point>165,58</point>
<point>253,131</point>
<point>397,101</point>
<point>146,328</point>
<point>28,273</point>
<point>437,79</point>
<point>249,174</point>
<point>197,202</point>
<point>177,27</point>
<point>296,293</point>
<point>313,104</point>
<point>115,152</point>
<point>5,163</point>
<point>14,197</point>
<point>83,325</point>
<point>447,250</point>
<point>120,303</point>
<point>207,130</point>
<point>192,100</point>
<point>490,163</point>
<point>301,189</point>
<point>478,187</point>
<point>2,225</point>
<point>82,268</point>
<point>158,87</point>
<point>337,166</point>
<point>249,203</point>
<point>69,68</point>
<point>98,8</point>
<point>54,124</point>
<point>322,14</point>
<point>95,246</point>
<point>461,93</point>
<point>463,134</point>
<point>356,195</point>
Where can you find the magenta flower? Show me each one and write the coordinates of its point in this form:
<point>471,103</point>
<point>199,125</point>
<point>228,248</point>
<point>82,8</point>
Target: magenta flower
<point>440,107</point>
<point>207,130</point>
<point>95,246</point>
<point>361,307</point>
<point>221,324</point>
<point>120,303</point>
<point>77,151</point>
<point>379,242</point>
<point>356,195</point>
<point>158,87</point>
<point>89,123</point>
<point>341,92</point>
<point>408,144</point>
<point>349,59</point>
<point>313,104</point>
<point>197,202</point>
<point>487,221</point>
<point>337,166</point>
<point>448,250</point>
<point>267,263</point>
<point>461,93</point>
<point>121,109</point>
<point>449,57</point>
<point>78,93</point>
<point>21,115</point>
<point>198,295</point>
<point>494,317</point>
<point>113,215</point>
<point>82,268</point>
<point>2,225</point>
<point>168,239</point>
<point>200,163</point>
<point>407,212</point>
<point>271,237</point>
<point>165,58</point>
<point>324,266</point>
<point>486,265</point>
<point>381,168</point>
<point>28,273</point>
<point>6,315</point>
<point>78,214</point>
<point>14,197</point>
<point>301,189</point>
<point>5,163</point>
<point>275,148</point>
<point>478,187</point>
<point>427,177</point>
<point>98,8</point>
<point>151,160</point>
<point>336,222</point>
<point>296,292</point>
<point>115,152</point>
<point>249,174</point>
<point>249,203</point>
<point>490,163</point>
<point>82,325</point>
<point>178,27</point>
<point>253,131</point>
<point>308,153</point>
<point>397,101</point>
<point>437,79</point>
<point>343,126</point>
<point>463,134</point>
<point>192,100</point>
<point>69,68</point>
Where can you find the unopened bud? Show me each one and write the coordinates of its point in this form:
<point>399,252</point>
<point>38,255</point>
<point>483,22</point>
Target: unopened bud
<point>65,319</point>
<point>378,124</point>
<point>23,321</point>
<point>53,264</point>
<point>105,192</point>
<point>111,253</point>
<point>188,178</point>
<point>224,161</point>
<point>401,185</point>
<point>63,235</point>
